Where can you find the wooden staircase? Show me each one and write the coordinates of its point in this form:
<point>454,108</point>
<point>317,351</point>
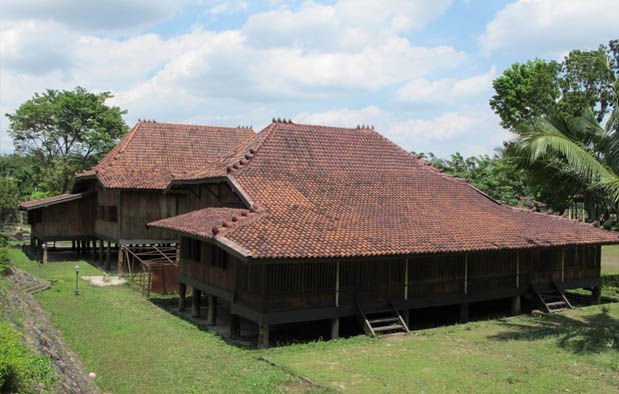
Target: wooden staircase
<point>553,299</point>
<point>381,322</point>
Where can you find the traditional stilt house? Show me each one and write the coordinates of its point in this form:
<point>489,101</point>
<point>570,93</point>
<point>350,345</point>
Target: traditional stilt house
<point>333,222</point>
<point>115,200</point>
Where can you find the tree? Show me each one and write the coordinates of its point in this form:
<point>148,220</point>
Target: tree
<point>583,80</point>
<point>581,146</point>
<point>9,197</point>
<point>497,176</point>
<point>65,132</point>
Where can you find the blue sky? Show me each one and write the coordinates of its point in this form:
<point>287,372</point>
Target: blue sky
<point>420,71</point>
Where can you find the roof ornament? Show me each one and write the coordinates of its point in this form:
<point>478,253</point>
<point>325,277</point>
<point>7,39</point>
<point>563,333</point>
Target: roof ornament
<point>274,120</point>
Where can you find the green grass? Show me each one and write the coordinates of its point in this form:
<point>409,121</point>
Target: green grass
<point>136,347</point>
<point>575,351</point>
<point>610,259</point>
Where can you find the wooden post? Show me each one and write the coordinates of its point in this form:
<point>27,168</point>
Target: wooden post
<point>337,285</point>
<point>464,312</point>
<point>44,253</point>
<point>516,305</point>
<point>235,326</point>
<point>211,317</point>
<point>32,244</point>
<point>100,252</point>
<point>195,302</point>
<point>73,246</point>
<point>263,336</point>
<point>182,294</point>
<point>406,282</point>
<point>178,254</point>
<point>107,255</point>
<point>466,276</point>
<point>518,270</point>
<point>406,316</point>
<point>119,265</point>
<point>335,328</point>
<point>93,250</point>
<point>562,265</point>
<point>596,294</point>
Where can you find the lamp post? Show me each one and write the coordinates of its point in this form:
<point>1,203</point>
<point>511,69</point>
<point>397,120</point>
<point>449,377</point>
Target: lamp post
<point>77,272</point>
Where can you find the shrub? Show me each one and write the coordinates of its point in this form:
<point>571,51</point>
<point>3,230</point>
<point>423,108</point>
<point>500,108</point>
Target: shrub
<point>5,261</point>
<point>20,370</point>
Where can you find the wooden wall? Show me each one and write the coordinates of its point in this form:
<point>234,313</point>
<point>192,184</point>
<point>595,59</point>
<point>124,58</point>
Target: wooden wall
<point>107,197</point>
<point>208,195</point>
<point>296,285</point>
<point>141,207</point>
<point>72,219</point>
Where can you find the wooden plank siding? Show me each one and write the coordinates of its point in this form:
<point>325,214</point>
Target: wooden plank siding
<point>65,221</point>
<point>273,287</point>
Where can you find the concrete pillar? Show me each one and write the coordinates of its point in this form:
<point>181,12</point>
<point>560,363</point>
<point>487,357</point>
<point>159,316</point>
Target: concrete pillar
<point>182,295</point>
<point>263,336</point>
<point>464,312</point>
<point>107,255</point>
<point>100,252</point>
<point>211,318</point>
<point>195,302</point>
<point>235,326</point>
<point>335,328</point>
<point>596,295</point>
<point>516,305</point>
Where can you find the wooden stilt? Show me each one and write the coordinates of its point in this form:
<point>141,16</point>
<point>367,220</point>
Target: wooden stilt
<point>211,318</point>
<point>93,250</point>
<point>108,252</point>
<point>464,312</point>
<point>32,245</point>
<point>73,246</point>
<point>195,303</point>
<point>235,326</point>
<point>406,316</point>
<point>516,305</point>
<point>100,253</point>
<point>119,265</point>
<point>263,336</point>
<point>182,295</point>
<point>335,328</point>
<point>596,295</point>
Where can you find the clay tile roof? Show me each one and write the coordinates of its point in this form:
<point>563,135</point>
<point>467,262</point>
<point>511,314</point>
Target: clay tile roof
<point>44,202</point>
<point>205,223</point>
<point>152,153</point>
<point>334,192</point>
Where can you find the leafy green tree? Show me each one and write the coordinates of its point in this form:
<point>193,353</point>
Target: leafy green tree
<point>9,197</point>
<point>65,132</point>
<point>580,146</point>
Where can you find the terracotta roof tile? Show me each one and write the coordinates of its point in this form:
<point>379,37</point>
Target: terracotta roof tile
<point>152,153</point>
<point>336,192</point>
<point>43,202</point>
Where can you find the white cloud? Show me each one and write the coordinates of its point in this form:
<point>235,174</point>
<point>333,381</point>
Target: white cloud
<point>350,24</point>
<point>551,27</point>
<point>446,90</point>
<point>100,16</point>
<point>443,134</point>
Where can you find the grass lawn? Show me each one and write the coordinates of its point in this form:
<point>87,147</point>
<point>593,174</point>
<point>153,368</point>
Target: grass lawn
<point>576,351</point>
<point>610,259</point>
<point>136,347</point>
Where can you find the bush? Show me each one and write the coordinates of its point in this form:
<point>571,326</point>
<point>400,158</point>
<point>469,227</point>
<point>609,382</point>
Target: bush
<point>20,370</point>
<point>5,261</point>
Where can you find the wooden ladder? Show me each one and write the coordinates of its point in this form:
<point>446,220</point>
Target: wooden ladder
<point>552,300</point>
<point>382,322</point>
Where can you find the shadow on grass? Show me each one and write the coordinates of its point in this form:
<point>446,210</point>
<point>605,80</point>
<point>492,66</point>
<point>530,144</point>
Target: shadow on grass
<point>593,334</point>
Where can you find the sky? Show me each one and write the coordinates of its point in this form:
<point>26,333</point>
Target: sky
<point>419,71</point>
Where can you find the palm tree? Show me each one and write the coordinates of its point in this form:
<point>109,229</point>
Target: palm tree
<point>578,145</point>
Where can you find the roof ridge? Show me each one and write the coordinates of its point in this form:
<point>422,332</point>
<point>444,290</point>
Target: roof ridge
<point>250,151</point>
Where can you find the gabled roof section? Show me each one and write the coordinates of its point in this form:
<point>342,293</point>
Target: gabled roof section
<point>327,192</point>
<point>152,153</point>
<point>46,202</point>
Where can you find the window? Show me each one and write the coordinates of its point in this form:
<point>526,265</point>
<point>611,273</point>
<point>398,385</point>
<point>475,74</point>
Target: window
<point>219,257</point>
<point>112,214</point>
